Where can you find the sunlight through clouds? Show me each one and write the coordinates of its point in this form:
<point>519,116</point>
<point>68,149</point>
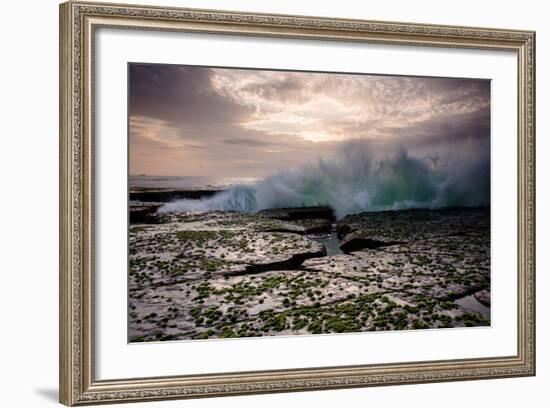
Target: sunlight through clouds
<point>217,119</point>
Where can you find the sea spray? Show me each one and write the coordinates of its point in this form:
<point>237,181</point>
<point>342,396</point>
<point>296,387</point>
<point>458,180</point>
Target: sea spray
<point>362,176</point>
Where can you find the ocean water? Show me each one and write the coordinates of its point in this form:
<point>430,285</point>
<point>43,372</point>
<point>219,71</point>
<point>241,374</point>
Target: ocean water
<point>358,178</point>
<point>187,182</point>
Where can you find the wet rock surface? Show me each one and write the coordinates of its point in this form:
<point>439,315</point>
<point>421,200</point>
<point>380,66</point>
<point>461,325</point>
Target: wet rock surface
<point>144,213</point>
<point>226,274</point>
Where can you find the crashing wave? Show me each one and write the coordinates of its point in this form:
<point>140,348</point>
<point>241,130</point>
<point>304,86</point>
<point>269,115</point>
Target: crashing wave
<point>362,177</point>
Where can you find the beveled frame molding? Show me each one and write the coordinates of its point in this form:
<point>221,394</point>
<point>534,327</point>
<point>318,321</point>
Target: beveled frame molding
<point>78,21</point>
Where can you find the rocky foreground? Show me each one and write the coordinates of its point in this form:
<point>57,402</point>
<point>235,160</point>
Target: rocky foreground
<point>226,274</point>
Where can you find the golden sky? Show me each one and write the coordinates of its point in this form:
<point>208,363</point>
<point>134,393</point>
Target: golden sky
<point>201,121</point>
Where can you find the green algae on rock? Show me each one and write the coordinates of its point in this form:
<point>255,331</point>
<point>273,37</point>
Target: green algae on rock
<point>227,274</point>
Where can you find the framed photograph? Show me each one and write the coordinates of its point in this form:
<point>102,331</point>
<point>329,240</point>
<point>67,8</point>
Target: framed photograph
<point>256,203</point>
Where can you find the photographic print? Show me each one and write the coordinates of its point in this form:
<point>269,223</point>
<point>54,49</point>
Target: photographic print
<point>362,189</point>
<point>281,203</point>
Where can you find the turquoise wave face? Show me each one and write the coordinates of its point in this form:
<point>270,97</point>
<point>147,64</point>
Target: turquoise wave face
<point>357,179</point>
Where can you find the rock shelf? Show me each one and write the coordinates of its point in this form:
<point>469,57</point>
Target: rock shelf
<point>227,274</point>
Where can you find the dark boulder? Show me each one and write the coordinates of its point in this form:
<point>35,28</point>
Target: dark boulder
<point>144,214</point>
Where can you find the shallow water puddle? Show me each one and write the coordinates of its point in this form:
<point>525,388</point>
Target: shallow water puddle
<point>330,241</point>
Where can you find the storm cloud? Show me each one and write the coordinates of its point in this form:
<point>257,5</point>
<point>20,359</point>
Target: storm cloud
<point>188,120</point>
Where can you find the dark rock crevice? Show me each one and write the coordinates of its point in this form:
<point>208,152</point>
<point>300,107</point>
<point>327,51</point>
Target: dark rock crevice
<point>294,262</point>
<point>365,243</point>
<point>299,213</point>
<point>467,292</point>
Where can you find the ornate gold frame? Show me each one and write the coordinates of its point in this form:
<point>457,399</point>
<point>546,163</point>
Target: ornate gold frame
<point>78,21</point>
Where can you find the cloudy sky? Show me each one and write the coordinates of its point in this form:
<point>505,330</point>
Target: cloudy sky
<point>198,121</point>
